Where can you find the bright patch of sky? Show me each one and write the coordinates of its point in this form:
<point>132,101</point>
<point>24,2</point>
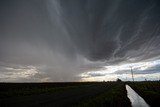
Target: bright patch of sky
<point>16,73</point>
<point>123,71</point>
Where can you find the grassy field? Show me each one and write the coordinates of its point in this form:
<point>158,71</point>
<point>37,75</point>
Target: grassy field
<point>8,90</point>
<point>149,90</point>
<point>76,94</point>
<point>115,96</point>
<point>88,94</point>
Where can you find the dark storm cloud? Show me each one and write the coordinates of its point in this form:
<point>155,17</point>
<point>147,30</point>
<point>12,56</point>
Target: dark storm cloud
<point>112,28</point>
<point>68,37</point>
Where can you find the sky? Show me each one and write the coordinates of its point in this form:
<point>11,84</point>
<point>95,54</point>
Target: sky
<point>79,40</point>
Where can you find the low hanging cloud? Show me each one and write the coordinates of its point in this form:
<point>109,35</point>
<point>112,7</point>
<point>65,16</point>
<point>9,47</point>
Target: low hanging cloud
<point>61,39</point>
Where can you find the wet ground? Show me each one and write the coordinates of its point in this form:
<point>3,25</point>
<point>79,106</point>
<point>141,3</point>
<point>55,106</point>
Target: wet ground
<point>136,100</point>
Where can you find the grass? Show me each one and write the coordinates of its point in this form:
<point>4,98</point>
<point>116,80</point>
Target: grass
<point>8,90</point>
<point>115,96</point>
<point>112,94</point>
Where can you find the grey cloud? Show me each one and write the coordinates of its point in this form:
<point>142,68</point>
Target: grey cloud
<point>93,74</point>
<point>150,70</point>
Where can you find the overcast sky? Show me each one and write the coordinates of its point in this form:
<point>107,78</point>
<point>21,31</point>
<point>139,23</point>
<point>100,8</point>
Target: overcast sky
<point>79,40</point>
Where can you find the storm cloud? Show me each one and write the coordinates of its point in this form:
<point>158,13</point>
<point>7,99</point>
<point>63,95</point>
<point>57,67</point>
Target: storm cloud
<point>56,40</point>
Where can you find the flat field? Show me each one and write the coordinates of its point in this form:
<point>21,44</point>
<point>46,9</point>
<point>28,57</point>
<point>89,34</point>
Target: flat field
<point>88,94</point>
<point>76,94</point>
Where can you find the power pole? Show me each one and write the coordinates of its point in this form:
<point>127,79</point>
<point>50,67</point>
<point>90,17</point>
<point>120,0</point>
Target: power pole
<point>132,74</point>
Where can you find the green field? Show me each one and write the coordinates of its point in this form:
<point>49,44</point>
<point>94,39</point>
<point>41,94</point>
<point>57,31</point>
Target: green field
<point>76,94</point>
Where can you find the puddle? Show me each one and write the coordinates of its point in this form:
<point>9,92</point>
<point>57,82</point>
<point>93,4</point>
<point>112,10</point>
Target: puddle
<point>136,100</point>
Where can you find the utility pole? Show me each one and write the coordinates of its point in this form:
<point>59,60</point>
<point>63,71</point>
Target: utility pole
<point>132,74</point>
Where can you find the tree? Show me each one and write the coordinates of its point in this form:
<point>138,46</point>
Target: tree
<point>119,80</point>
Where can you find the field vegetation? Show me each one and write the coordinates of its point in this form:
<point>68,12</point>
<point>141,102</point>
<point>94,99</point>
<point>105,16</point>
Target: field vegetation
<point>88,94</point>
<point>77,94</point>
<point>8,90</point>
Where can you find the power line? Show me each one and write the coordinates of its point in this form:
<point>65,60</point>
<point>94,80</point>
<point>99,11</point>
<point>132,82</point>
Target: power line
<point>132,74</point>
